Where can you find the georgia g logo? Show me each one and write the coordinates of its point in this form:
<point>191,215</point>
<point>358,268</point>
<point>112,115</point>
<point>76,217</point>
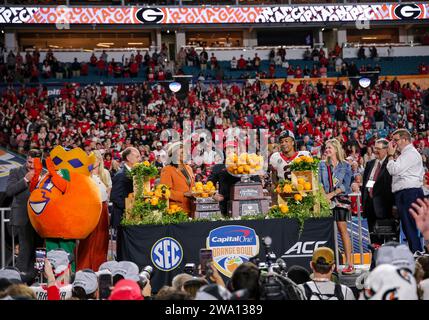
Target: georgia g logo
<point>407,11</point>
<point>150,15</point>
<point>166,254</point>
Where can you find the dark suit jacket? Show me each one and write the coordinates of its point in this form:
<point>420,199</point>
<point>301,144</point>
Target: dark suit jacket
<point>122,186</point>
<point>18,188</point>
<point>226,181</point>
<point>383,199</point>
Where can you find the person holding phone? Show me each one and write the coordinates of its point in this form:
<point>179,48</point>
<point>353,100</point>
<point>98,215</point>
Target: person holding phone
<point>18,188</point>
<point>208,269</point>
<point>407,174</point>
<point>57,269</point>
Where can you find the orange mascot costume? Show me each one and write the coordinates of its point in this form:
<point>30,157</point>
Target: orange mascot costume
<point>65,204</point>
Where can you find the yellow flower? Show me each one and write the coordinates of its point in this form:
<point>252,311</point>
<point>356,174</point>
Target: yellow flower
<point>146,163</point>
<point>310,160</point>
<point>297,197</point>
<point>301,181</point>
<point>297,160</point>
<point>167,194</point>
<point>158,193</point>
<point>154,201</point>
<point>287,188</point>
<point>284,208</point>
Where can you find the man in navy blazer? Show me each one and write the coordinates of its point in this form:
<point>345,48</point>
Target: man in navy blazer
<point>122,184</point>
<point>377,196</point>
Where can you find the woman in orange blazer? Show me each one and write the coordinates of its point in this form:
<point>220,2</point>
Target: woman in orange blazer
<point>179,177</point>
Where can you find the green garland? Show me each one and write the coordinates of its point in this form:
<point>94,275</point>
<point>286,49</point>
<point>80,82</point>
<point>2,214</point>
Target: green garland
<point>143,213</point>
<point>303,210</point>
<point>141,172</point>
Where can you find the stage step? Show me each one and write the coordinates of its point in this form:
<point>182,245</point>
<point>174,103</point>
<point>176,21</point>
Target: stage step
<point>356,258</point>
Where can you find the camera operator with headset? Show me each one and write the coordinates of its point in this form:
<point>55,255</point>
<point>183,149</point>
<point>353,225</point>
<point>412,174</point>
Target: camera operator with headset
<point>321,287</point>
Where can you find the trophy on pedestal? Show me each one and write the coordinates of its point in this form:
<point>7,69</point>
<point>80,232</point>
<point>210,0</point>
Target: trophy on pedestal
<point>247,198</point>
<point>204,206</point>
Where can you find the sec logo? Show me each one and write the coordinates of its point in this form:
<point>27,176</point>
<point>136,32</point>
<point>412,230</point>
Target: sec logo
<point>166,254</point>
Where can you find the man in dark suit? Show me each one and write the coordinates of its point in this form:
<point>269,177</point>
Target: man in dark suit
<point>122,184</point>
<point>377,196</point>
<point>220,175</point>
<point>18,188</point>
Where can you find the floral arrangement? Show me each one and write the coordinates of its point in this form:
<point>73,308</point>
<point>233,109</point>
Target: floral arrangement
<point>302,208</point>
<point>305,163</point>
<point>153,208</point>
<point>141,173</point>
<point>296,190</point>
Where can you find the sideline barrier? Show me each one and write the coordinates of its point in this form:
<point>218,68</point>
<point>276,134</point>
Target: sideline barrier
<point>3,238</point>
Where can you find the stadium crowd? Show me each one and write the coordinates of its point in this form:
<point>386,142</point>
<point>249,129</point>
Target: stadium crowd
<point>29,68</point>
<point>112,118</point>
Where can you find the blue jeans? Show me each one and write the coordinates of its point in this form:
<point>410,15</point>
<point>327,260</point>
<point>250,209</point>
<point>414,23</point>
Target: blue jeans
<point>403,200</point>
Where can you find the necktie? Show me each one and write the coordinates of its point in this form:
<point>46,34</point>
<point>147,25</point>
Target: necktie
<point>376,174</point>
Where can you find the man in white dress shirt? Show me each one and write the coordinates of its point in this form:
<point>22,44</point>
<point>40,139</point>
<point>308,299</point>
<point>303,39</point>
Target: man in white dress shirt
<point>407,181</point>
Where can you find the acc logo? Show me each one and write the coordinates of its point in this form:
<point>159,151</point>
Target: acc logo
<point>166,254</point>
<point>232,245</point>
<point>304,249</point>
<point>149,15</point>
<point>364,82</point>
<point>407,11</point>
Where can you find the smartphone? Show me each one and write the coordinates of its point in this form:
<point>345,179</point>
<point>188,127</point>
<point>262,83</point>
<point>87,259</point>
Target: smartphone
<point>39,265</point>
<point>105,282</point>
<point>206,257</point>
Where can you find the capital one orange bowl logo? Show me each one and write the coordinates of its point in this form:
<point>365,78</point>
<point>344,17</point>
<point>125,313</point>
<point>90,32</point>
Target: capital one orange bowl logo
<point>232,246</point>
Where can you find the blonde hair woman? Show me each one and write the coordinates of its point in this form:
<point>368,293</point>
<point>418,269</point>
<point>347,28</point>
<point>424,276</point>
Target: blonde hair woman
<point>335,175</point>
<point>92,251</point>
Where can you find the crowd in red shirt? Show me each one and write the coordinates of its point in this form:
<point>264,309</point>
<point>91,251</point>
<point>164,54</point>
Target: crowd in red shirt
<point>113,118</point>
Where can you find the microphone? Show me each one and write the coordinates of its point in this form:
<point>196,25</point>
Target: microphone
<point>281,263</point>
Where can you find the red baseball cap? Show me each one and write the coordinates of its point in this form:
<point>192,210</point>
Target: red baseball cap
<point>126,290</point>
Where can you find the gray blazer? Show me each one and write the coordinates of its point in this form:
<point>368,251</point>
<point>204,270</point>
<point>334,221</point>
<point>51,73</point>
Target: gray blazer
<point>17,188</point>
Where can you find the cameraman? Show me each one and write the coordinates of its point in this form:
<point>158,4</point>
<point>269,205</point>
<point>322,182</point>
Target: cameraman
<point>321,287</point>
<point>246,276</point>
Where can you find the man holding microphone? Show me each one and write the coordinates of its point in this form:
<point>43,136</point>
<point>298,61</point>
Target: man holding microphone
<point>407,181</point>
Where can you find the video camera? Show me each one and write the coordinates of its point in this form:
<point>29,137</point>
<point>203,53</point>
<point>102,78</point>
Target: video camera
<point>145,275</point>
<point>190,269</point>
<point>271,263</point>
<point>274,283</point>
